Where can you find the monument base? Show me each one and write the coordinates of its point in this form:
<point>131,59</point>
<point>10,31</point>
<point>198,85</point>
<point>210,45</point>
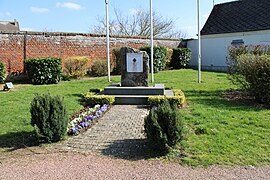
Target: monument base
<point>135,95</point>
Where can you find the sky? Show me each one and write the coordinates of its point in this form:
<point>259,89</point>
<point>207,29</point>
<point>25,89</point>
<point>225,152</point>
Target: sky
<point>81,15</point>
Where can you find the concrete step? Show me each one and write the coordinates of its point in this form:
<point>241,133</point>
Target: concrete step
<point>136,99</point>
<point>134,90</point>
<point>131,99</point>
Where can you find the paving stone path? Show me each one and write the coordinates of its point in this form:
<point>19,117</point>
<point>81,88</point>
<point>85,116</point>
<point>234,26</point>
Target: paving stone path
<point>118,133</point>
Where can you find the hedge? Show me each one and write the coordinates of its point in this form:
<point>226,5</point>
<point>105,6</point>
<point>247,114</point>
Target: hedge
<point>44,70</point>
<point>160,55</point>
<point>180,57</point>
<point>2,72</point>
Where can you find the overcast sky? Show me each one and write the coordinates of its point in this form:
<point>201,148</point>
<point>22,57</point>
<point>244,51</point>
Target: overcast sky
<point>81,15</point>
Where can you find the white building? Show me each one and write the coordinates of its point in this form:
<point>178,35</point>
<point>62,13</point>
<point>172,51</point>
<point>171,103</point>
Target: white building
<point>233,23</point>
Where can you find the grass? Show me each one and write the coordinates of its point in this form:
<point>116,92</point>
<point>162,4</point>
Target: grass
<point>218,131</point>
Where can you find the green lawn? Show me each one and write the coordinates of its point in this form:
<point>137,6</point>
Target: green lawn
<point>218,131</point>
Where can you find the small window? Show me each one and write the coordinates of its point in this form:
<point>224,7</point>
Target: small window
<point>237,42</point>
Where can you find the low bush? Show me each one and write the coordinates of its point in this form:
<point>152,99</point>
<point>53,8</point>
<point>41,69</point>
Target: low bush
<point>44,70</point>
<point>160,54</point>
<point>163,127</point>
<point>180,58</point>
<point>49,117</point>
<point>75,67</point>
<point>2,72</point>
<point>99,68</point>
<point>178,99</point>
<point>117,61</point>
<point>90,99</point>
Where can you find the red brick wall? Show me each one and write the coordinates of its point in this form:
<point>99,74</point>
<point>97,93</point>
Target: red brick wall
<point>15,47</point>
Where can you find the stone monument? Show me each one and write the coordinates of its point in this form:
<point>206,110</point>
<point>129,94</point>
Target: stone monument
<point>135,67</point>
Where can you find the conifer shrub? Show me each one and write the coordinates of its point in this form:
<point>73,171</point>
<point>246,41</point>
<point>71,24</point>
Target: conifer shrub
<point>44,70</point>
<point>180,57</point>
<point>164,127</point>
<point>76,67</point>
<point>49,117</point>
<point>2,72</point>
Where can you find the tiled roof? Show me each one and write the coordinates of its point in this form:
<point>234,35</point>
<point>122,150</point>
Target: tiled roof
<point>238,16</point>
<point>9,26</point>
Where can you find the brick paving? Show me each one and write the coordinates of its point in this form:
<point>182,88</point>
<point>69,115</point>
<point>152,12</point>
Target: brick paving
<point>119,133</point>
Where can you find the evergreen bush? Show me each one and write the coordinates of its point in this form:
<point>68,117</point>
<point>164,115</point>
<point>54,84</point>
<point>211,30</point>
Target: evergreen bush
<point>49,117</point>
<point>180,57</point>
<point>44,70</point>
<point>163,127</point>
<point>76,67</point>
<point>2,72</point>
<point>160,55</point>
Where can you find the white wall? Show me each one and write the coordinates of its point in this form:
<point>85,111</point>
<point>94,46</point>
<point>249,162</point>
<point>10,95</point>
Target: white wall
<point>214,47</point>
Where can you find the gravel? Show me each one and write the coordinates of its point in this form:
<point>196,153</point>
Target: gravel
<point>36,164</point>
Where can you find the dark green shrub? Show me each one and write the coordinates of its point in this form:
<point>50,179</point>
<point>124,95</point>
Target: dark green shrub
<point>180,58</point>
<point>90,98</point>
<point>160,54</point>
<point>2,72</point>
<point>117,60</point>
<point>99,68</point>
<point>49,117</point>
<point>44,70</point>
<point>163,127</point>
<point>154,133</point>
<point>76,67</point>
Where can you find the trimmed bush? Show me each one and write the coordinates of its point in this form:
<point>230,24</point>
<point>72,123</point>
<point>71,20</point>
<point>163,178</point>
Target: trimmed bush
<point>163,127</point>
<point>44,70</point>
<point>2,72</point>
<point>178,99</point>
<point>99,68</point>
<point>117,60</point>
<point>160,54</point>
<point>91,99</point>
<point>76,67</point>
<point>49,117</point>
<point>180,58</point>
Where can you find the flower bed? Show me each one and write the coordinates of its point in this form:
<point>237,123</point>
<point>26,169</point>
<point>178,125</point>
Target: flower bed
<point>84,119</point>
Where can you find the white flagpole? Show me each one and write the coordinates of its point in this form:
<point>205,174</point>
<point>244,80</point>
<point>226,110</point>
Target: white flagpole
<point>108,39</point>
<point>152,41</point>
<point>199,42</point>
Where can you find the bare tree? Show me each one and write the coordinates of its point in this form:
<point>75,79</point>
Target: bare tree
<point>138,24</point>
